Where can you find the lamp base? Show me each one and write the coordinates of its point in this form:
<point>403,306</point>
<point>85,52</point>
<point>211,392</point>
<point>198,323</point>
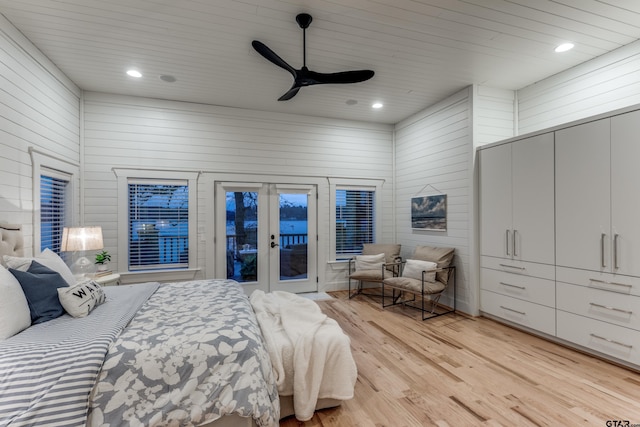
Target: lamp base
<point>82,267</point>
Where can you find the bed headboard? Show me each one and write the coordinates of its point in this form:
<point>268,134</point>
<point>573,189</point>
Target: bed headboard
<point>11,240</point>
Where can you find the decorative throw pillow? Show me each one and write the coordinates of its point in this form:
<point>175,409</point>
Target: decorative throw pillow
<point>14,309</point>
<point>369,262</point>
<point>48,258</point>
<point>414,268</point>
<point>40,285</point>
<point>78,300</point>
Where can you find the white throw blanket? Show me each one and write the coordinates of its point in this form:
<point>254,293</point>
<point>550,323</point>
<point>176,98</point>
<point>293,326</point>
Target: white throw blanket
<point>310,354</point>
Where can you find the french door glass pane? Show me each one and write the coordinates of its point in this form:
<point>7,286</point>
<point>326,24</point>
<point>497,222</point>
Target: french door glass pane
<point>242,236</point>
<point>293,236</point>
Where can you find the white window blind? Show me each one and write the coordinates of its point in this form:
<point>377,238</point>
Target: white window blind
<point>355,221</point>
<point>158,224</point>
<point>53,210</point>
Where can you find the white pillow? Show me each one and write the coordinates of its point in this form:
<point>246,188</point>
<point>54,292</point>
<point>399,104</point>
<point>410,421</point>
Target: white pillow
<point>369,262</point>
<point>78,300</point>
<point>48,258</point>
<point>414,268</point>
<point>14,308</point>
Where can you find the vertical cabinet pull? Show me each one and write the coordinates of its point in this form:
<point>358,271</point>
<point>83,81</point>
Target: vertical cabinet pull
<point>615,251</point>
<point>514,242</point>
<point>602,260</point>
<point>507,241</point>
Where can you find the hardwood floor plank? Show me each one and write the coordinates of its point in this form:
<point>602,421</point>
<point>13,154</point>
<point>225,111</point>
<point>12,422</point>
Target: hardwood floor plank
<point>456,370</point>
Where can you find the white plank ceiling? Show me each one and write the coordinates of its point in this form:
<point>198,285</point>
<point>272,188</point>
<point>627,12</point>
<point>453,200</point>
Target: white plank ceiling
<point>421,50</point>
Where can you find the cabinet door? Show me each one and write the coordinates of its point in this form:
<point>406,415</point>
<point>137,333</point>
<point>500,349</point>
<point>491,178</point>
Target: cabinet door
<point>495,200</point>
<point>625,195</point>
<point>582,195</point>
<point>532,174</point>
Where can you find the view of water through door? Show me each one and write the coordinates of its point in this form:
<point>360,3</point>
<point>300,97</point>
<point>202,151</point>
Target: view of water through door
<point>267,229</point>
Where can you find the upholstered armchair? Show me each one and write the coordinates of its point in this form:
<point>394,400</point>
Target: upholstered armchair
<point>425,277</point>
<point>377,262</point>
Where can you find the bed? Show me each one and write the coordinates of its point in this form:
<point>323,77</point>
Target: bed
<point>188,353</point>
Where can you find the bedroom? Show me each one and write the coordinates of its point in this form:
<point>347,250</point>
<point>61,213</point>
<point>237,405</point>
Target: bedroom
<point>49,121</point>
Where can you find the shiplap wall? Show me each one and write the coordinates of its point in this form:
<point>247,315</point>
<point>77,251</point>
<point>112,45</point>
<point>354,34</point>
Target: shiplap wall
<point>604,84</point>
<point>39,109</point>
<point>493,114</point>
<point>434,153</point>
<point>132,132</point>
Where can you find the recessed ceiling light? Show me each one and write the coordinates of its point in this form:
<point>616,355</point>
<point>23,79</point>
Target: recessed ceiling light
<point>564,47</point>
<point>134,73</point>
<point>168,78</point>
<point>377,105</point>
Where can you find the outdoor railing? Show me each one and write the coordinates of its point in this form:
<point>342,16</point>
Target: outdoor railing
<point>285,240</point>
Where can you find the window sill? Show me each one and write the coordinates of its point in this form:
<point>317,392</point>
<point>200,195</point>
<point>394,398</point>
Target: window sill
<point>158,276</point>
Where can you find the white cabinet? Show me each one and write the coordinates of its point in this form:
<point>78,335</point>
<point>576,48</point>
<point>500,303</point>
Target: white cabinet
<point>560,234</point>
<point>625,197</point>
<point>516,200</point>
<point>597,202</point>
<point>583,221</point>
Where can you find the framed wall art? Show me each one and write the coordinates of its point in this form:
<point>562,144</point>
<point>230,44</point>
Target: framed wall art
<point>429,213</point>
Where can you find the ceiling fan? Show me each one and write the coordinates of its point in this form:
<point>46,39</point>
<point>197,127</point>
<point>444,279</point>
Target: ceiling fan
<point>304,76</point>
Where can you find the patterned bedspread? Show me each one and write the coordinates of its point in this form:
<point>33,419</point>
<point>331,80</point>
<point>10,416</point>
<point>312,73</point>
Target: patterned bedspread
<point>192,354</point>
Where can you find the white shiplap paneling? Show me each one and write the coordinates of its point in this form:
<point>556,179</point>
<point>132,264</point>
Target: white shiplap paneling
<point>493,115</point>
<point>131,132</point>
<point>603,84</point>
<point>433,155</point>
<point>39,108</point>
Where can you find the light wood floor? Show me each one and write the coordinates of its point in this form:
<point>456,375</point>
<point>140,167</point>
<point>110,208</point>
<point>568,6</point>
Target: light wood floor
<point>460,371</point>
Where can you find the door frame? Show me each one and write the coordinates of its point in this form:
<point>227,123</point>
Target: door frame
<point>207,225</point>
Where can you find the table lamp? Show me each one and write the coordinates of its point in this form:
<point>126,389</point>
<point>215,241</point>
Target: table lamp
<point>81,239</point>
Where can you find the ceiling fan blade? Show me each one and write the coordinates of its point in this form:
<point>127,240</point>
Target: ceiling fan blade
<point>270,55</point>
<point>290,94</point>
<point>341,77</point>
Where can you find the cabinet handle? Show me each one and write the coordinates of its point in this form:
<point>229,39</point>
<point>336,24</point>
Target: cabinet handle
<point>611,341</point>
<point>610,308</point>
<point>609,283</point>
<point>615,251</point>
<point>512,266</point>
<point>512,286</point>
<point>602,261</point>
<point>514,242</point>
<point>507,241</point>
<point>515,311</point>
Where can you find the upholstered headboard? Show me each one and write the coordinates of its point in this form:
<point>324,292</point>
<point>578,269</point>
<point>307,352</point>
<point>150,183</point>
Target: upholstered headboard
<point>11,240</point>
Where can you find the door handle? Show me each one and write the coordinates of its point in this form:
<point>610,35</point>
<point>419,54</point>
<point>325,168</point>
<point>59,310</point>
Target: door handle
<point>274,244</point>
<point>615,251</point>
<point>507,240</point>
<point>602,260</point>
<point>514,242</point>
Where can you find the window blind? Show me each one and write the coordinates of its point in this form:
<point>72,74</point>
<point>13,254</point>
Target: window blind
<point>355,215</point>
<point>53,211</point>
<point>158,224</point>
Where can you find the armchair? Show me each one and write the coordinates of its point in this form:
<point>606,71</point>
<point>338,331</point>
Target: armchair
<point>377,262</point>
<point>426,276</point>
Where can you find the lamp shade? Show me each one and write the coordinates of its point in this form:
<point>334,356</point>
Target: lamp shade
<point>81,239</point>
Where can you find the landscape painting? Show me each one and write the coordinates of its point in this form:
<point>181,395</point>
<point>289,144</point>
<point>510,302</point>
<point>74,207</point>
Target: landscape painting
<point>429,213</point>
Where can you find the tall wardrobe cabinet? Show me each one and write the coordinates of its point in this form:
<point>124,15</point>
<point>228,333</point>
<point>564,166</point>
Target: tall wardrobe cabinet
<point>517,232</point>
<point>560,234</point>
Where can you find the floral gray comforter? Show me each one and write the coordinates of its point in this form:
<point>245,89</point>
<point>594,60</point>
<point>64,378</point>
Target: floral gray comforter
<point>192,354</point>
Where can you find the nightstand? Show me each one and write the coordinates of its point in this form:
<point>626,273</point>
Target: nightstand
<point>108,280</point>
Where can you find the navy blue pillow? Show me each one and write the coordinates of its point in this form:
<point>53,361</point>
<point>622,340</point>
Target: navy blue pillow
<point>40,285</point>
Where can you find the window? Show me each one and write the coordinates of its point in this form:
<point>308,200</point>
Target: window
<point>355,222</point>
<point>355,216</point>
<point>55,199</point>
<point>54,195</point>
<point>158,224</point>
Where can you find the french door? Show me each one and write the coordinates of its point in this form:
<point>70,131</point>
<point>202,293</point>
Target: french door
<point>266,235</point>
